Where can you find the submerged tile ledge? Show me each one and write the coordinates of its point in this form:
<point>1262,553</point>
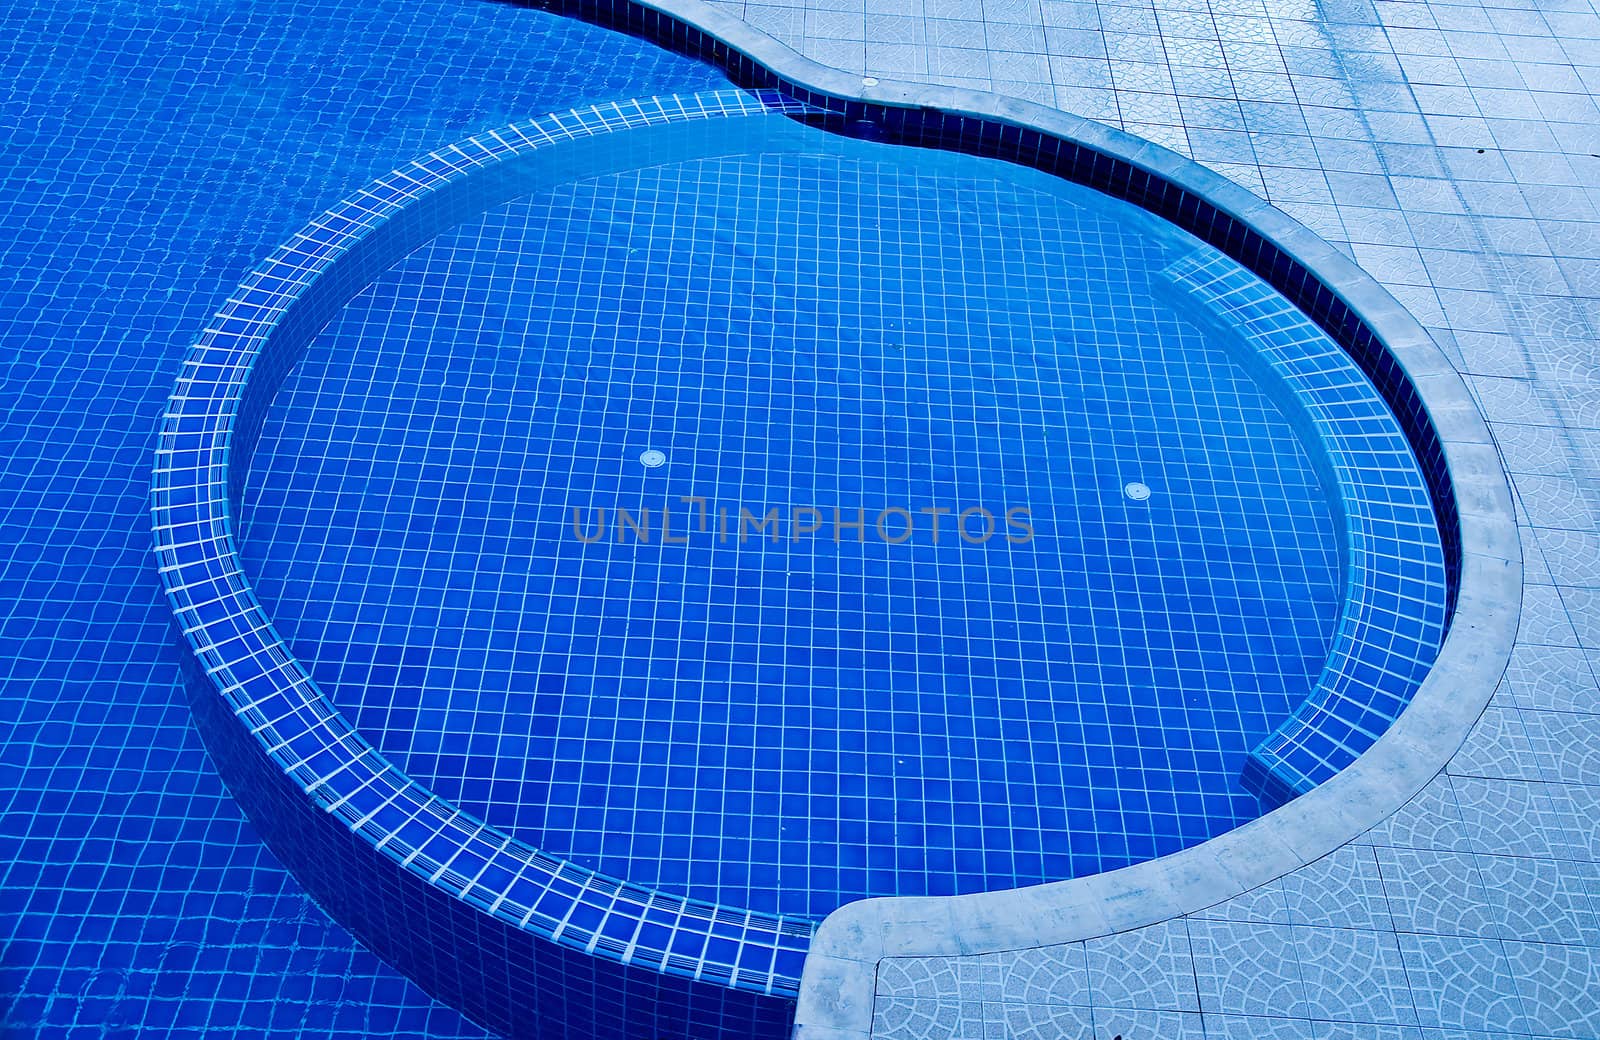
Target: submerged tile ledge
<point>496,928</point>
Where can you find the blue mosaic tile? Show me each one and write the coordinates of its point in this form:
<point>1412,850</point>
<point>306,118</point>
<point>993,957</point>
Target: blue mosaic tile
<point>196,218</point>
<point>443,729</point>
<point>155,152</point>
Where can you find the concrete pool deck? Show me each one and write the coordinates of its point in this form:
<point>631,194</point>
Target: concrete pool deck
<point>1452,153</point>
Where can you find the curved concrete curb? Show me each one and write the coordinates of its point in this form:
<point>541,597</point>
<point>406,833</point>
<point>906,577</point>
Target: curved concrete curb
<point>837,987</point>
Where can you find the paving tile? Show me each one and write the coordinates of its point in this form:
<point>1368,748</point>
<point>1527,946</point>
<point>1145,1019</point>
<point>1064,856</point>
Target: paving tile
<point>1352,975</point>
<point>1431,820</point>
<point>1552,679</point>
<point>1566,744</point>
<point>916,1018</point>
<point>1048,975</point>
<point>1539,900</point>
<point>1462,983</point>
<point>1559,985</point>
<point>1510,817</point>
<point>1373,1031</point>
<point>931,977</point>
<point>1248,969</point>
<point>1249,1027</point>
<point>896,61</point>
<point>981,978</point>
<point>1578,806</point>
<point>1572,556</point>
<point>1436,892</point>
<point>1545,620</point>
<point>1512,400</point>
<point>1497,746</point>
<point>1045,1022</point>
<point>1582,608</point>
<point>959,63</point>
<point>1343,889</point>
<point>1149,969</point>
<point>1265,904</point>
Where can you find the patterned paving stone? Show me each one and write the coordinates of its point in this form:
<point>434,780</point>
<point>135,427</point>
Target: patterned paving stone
<point>1148,969</point>
<point>1512,400</point>
<point>1552,679</point>
<point>1266,904</point>
<point>1556,500</point>
<point>1134,1024</point>
<point>1047,1022</point>
<point>1559,985</point>
<point>1565,744</point>
<point>1242,1027</point>
<point>980,978</point>
<point>1431,820</point>
<point>1572,556</point>
<point>915,1018</point>
<point>1545,620</point>
<point>1248,969</point>
<point>1497,747</point>
<point>1354,976</point>
<point>1344,889</point>
<point>1583,614</point>
<point>1509,817</point>
<point>1579,806</point>
<point>1440,893</point>
<point>1533,449</point>
<point>1371,1031</point>
<point>1048,975</point>
<point>1461,983</point>
<point>1539,900</point>
<point>906,977</point>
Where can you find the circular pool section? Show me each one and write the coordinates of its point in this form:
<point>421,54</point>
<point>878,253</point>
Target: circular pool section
<point>693,521</point>
<point>754,526</point>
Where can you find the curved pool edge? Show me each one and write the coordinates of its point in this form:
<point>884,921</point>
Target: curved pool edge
<point>837,986</point>
<point>836,992</point>
<point>839,980</point>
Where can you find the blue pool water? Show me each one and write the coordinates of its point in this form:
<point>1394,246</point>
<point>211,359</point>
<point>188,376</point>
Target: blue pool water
<point>155,152</point>
<point>923,716</point>
<point>776,718</point>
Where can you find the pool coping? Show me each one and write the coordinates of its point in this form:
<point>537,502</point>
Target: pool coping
<point>836,995</point>
<point>839,978</point>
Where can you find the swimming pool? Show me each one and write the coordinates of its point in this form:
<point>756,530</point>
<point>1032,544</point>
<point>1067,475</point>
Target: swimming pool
<point>981,548</point>
<point>1196,573</point>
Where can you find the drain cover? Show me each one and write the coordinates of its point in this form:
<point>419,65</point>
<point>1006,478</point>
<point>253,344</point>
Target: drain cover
<point>653,458</point>
<point>1133,489</point>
